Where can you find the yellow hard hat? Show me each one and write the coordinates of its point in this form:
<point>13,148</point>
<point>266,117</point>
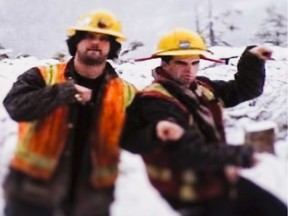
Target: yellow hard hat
<point>181,42</point>
<point>99,21</point>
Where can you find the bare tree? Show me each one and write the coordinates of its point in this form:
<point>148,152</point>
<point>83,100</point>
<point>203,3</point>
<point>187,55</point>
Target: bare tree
<point>216,25</point>
<point>273,28</point>
<point>210,25</point>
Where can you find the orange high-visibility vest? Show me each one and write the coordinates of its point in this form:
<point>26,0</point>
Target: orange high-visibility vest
<point>41,142</point>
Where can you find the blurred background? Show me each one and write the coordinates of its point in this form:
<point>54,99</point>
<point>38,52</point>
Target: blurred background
<point>39,27</point>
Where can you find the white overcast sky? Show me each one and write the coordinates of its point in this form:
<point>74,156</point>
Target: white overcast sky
<point>39,27</point>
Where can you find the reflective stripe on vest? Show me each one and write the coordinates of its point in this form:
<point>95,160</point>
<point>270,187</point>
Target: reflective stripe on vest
<point>41,142</point>
<point>105,155</point>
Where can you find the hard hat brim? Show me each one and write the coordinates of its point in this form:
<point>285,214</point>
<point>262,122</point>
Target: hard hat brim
<point>120,38</point>
<point>188,52</point>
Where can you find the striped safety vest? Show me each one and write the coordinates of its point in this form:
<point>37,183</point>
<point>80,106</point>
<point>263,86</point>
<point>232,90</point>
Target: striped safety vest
<point>41,142</point>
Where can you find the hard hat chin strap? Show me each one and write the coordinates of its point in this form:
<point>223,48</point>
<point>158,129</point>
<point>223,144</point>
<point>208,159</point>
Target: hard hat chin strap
<point>201,57</point>
<point>183,49</point>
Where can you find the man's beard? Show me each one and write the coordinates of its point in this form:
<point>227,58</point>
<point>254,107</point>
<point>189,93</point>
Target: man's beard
<point>91,60</point>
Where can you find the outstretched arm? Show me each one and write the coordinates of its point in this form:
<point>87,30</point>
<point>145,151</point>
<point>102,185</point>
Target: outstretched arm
<point>249,80</point>
<point>154,123</point>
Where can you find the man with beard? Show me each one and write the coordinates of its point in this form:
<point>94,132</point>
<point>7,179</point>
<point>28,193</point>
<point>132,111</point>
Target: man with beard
<point>70,118</point>
<point>176,124</point>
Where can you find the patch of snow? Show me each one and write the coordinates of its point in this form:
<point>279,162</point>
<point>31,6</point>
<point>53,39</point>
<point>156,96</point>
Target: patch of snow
<point>134,194</point>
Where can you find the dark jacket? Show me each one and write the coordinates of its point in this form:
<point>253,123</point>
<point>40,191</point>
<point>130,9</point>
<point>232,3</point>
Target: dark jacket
<point>30,99</point>
<point>201,153</point>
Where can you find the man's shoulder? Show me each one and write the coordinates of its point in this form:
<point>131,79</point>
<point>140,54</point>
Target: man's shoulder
<point>31,73</point>
<point>156,93</point>
<point>205,87</point>
<point>202,80</point>
<point>205,82</point>
<point>155,89</point>
<point>127,85</point>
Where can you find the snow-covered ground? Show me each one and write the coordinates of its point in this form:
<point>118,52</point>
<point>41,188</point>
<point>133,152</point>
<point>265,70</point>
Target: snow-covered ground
<point>134,194</point>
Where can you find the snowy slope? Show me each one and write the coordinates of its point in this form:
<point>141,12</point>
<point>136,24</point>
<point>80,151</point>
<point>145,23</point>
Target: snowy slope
<point>134,193</point>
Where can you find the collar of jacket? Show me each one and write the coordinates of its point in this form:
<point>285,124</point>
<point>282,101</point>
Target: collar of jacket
<point>108,70</point>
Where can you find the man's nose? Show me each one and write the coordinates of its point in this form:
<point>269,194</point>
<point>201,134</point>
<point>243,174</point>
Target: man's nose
<point>95,40</point>
<point>189,68</point>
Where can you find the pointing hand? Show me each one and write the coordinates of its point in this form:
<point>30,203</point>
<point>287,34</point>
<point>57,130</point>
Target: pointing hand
<point>168,131</point>
<point>83,94</point>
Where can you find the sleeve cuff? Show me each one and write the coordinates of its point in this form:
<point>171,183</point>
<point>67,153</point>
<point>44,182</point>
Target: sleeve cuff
<point>67,92</point>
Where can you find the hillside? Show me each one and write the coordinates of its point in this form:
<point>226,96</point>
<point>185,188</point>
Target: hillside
<point>134,194</point>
